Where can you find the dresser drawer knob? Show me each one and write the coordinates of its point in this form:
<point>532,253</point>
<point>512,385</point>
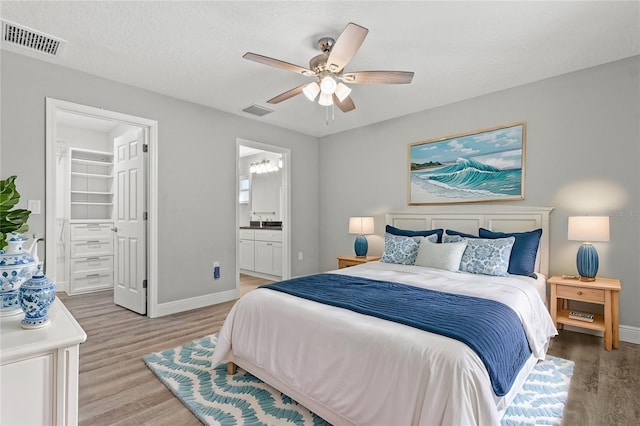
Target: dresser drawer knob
<point>579,293</point>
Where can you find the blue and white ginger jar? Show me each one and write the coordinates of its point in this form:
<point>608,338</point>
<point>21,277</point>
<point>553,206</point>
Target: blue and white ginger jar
<point>16,267</point>
<point>36,296</point>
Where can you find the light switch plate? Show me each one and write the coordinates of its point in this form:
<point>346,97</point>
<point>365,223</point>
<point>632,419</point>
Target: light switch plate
<point>34,206</point>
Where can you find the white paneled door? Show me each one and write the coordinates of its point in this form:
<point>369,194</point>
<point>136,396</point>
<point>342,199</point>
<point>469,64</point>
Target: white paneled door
<point>130,264</point>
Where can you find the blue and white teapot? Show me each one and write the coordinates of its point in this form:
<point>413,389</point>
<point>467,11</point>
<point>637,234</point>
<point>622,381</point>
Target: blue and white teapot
<point>17,265</point>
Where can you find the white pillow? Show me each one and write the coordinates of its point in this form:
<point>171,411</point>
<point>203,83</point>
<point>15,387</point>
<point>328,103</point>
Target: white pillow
<point>441,256</point>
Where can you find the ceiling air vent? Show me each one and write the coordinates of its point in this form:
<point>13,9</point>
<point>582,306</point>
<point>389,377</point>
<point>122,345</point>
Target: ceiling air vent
<point>257,110</point>
<point>36,41</point>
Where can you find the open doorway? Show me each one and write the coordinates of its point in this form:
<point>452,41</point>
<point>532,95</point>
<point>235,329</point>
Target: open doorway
<point>101,196</point>
<point>263,242</point>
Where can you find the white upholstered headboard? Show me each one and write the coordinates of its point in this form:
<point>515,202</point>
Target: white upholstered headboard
<point>468,219</point>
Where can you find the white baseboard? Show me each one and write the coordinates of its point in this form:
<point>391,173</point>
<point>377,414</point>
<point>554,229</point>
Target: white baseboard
<point>196,302</point>
<point>261,275</point>
<point>627,333</point>
<point>630,334</point>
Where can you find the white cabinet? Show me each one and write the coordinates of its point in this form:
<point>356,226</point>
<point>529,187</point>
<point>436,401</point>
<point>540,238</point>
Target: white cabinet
<point>247,256</point>
<point>261,251</point>
<point>39,370</point>
<point>268,257</point>
<point>91,257</point>
<point>89,248</point>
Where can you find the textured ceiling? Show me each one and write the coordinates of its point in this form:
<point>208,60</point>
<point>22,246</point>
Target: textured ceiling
<point>458,50</point>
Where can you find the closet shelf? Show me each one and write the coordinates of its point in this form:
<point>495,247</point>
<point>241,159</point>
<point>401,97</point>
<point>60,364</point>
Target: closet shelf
<point>90,203</point>
<point>91,192</point>
<point>92,162</point>
<point>91,175</point>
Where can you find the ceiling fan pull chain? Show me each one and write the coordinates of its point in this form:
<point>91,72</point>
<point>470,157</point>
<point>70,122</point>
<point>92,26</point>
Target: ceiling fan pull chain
<point>326,115</point>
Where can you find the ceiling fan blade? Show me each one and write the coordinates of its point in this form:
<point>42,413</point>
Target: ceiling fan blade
<point>378,77</point>
<point>346,46</point>
<point>278,63</point>
<point>286,95</point>
<point>346,105</point>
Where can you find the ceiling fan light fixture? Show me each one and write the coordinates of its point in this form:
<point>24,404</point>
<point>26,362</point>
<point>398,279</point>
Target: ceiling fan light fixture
<point>325,99</point>
<point>311,90</point>
<point>328,85</point>
<point>342,91</point>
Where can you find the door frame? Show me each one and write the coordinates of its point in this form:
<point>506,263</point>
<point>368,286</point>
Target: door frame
<point>53,106</point>
<point>285,214</point>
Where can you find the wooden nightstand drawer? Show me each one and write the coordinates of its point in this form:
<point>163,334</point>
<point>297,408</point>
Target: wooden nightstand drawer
<point>579,293</point>
<point>342,263</point>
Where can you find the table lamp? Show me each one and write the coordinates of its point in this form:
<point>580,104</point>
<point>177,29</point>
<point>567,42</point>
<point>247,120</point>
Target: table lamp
<point>361,226</point>
<point>588,229</point>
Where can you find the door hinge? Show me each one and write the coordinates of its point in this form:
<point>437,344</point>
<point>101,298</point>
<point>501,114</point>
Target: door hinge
<point>145,216</point>
<point>145,147</point>
<point>144,283</point>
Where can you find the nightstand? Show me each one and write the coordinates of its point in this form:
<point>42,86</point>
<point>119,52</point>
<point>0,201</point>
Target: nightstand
<point>602,291</point>
<point>346,261</point>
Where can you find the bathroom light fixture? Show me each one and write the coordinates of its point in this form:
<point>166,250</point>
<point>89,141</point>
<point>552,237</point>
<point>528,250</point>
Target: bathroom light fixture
<point>588,229</point>
<point>263,166</point>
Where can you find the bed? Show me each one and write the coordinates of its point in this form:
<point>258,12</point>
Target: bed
<point>351,368</point>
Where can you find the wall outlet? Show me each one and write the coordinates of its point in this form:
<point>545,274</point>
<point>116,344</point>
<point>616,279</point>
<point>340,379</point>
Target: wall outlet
<point>216,270</point>
<point>300,256</point>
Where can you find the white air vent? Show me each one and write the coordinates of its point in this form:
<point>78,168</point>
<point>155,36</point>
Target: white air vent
<point>27,38</point>
<point>257,110</point>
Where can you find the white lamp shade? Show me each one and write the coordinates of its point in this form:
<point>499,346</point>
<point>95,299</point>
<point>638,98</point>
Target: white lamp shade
<point>361,225</point>
<point>328,85</point>
<point>588,228</point>
<point>311,90</point>
<point>325,99</point>
<point>342,91</point>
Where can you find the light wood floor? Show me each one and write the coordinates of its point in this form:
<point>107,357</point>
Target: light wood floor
<point>116,387</point>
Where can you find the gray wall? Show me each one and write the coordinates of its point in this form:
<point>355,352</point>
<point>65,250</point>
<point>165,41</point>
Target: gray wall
<point>197,166</point>
<point>582,157</point>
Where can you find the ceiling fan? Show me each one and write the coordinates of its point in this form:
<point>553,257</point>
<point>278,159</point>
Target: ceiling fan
<point>328,70</point>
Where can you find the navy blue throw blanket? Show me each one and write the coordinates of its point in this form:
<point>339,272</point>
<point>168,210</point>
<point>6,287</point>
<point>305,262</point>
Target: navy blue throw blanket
<point>490,328</point>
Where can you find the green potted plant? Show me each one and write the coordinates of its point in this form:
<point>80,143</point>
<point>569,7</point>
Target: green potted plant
<point>17,265</point>
<point>11,220</point>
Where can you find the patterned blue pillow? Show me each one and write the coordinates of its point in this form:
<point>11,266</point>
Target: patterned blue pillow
<point>402,250</point>
<point>487,256</point>
<point>451,236</point>
<point>524,252</point>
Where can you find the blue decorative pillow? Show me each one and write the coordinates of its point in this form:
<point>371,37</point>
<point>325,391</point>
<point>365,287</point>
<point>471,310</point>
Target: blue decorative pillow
<point>409,233</point>
<point>487,256</point>
<point>452,236</point>
<point>402,250</point>
<point>524,252</point>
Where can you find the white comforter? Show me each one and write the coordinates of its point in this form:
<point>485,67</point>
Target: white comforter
<point>371,371</point>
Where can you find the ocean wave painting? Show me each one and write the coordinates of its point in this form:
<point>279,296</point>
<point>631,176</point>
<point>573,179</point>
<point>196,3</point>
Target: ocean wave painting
<point>481,166</point>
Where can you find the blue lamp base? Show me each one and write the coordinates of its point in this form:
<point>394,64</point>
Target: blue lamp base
<point>361,246</point>
<point>587,262</point>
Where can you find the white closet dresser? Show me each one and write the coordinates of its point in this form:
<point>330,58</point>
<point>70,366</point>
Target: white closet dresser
<point>90,213</point>
<point>39,370</point>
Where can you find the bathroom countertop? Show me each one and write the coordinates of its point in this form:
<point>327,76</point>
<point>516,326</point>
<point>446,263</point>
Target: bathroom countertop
<point>271,228</point>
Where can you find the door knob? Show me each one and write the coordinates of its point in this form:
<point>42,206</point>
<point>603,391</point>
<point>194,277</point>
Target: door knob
<point>114,229</point>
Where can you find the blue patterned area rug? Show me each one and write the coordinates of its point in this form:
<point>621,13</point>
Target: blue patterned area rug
<point>243,399</point>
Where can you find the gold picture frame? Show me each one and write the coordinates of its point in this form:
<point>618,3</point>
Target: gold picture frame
<point>484,165</point>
